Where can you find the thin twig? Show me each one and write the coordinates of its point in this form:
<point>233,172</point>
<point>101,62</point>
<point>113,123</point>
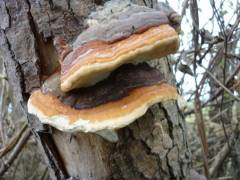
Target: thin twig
<point>225,151</point>
<point>219,114</point>
<point>220,84</point>
<point>13,141</point>
<point>221,156</point>
<point>2,77</point>
<point>218,91</point>
<point>44,174</point>
<point>7,164</point>
<point>185,5</point>
<point>198,108</point>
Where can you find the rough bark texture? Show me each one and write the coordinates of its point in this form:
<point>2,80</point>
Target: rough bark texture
<point>154,147</point>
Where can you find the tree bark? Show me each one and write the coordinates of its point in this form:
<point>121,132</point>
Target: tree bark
<point>153,147</point>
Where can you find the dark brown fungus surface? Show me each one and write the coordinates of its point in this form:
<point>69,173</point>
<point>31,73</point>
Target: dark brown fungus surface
<point>117,86</point>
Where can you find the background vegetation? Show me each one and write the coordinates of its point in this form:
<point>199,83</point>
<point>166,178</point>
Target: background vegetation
<point>207,75</point>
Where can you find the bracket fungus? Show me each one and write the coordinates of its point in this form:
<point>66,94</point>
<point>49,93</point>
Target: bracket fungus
<point>131,36</point>
<point>141,89</point>
<point>103,83</point>
<point>112,115</point>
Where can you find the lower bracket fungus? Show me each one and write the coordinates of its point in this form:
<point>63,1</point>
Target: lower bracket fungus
<point>112,114</point>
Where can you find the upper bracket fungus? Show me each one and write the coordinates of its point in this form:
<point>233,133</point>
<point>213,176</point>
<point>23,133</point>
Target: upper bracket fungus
<point>132,35</point>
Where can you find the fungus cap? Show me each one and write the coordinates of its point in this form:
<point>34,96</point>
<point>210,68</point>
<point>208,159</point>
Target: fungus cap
<point>120,19</point>
<point>112,115</point>
<point>95,60</point>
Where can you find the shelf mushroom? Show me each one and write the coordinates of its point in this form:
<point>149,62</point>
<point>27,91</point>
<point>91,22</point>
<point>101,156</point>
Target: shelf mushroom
<point>103,83</point>
<point>112,115</point>
<point>134,35</point>
<point>143,89</point>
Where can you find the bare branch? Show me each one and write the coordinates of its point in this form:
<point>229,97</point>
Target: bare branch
<point>13,141</point>
<point>220,84</point>
<point>5,166</point>
<point>222,155</point>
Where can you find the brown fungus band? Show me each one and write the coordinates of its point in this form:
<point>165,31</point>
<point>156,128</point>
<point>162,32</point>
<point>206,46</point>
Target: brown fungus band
<point>115,87</point>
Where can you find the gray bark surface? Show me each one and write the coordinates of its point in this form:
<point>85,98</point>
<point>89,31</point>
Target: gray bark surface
<point>153,147</point>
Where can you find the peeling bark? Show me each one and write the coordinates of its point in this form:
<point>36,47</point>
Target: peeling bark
<point>154,147</point>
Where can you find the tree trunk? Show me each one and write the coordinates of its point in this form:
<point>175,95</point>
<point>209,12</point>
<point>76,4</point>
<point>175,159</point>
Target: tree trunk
<point>153,147</point>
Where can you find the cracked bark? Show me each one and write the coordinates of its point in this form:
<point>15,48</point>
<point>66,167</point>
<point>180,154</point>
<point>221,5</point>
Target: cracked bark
<point>154,147</point>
